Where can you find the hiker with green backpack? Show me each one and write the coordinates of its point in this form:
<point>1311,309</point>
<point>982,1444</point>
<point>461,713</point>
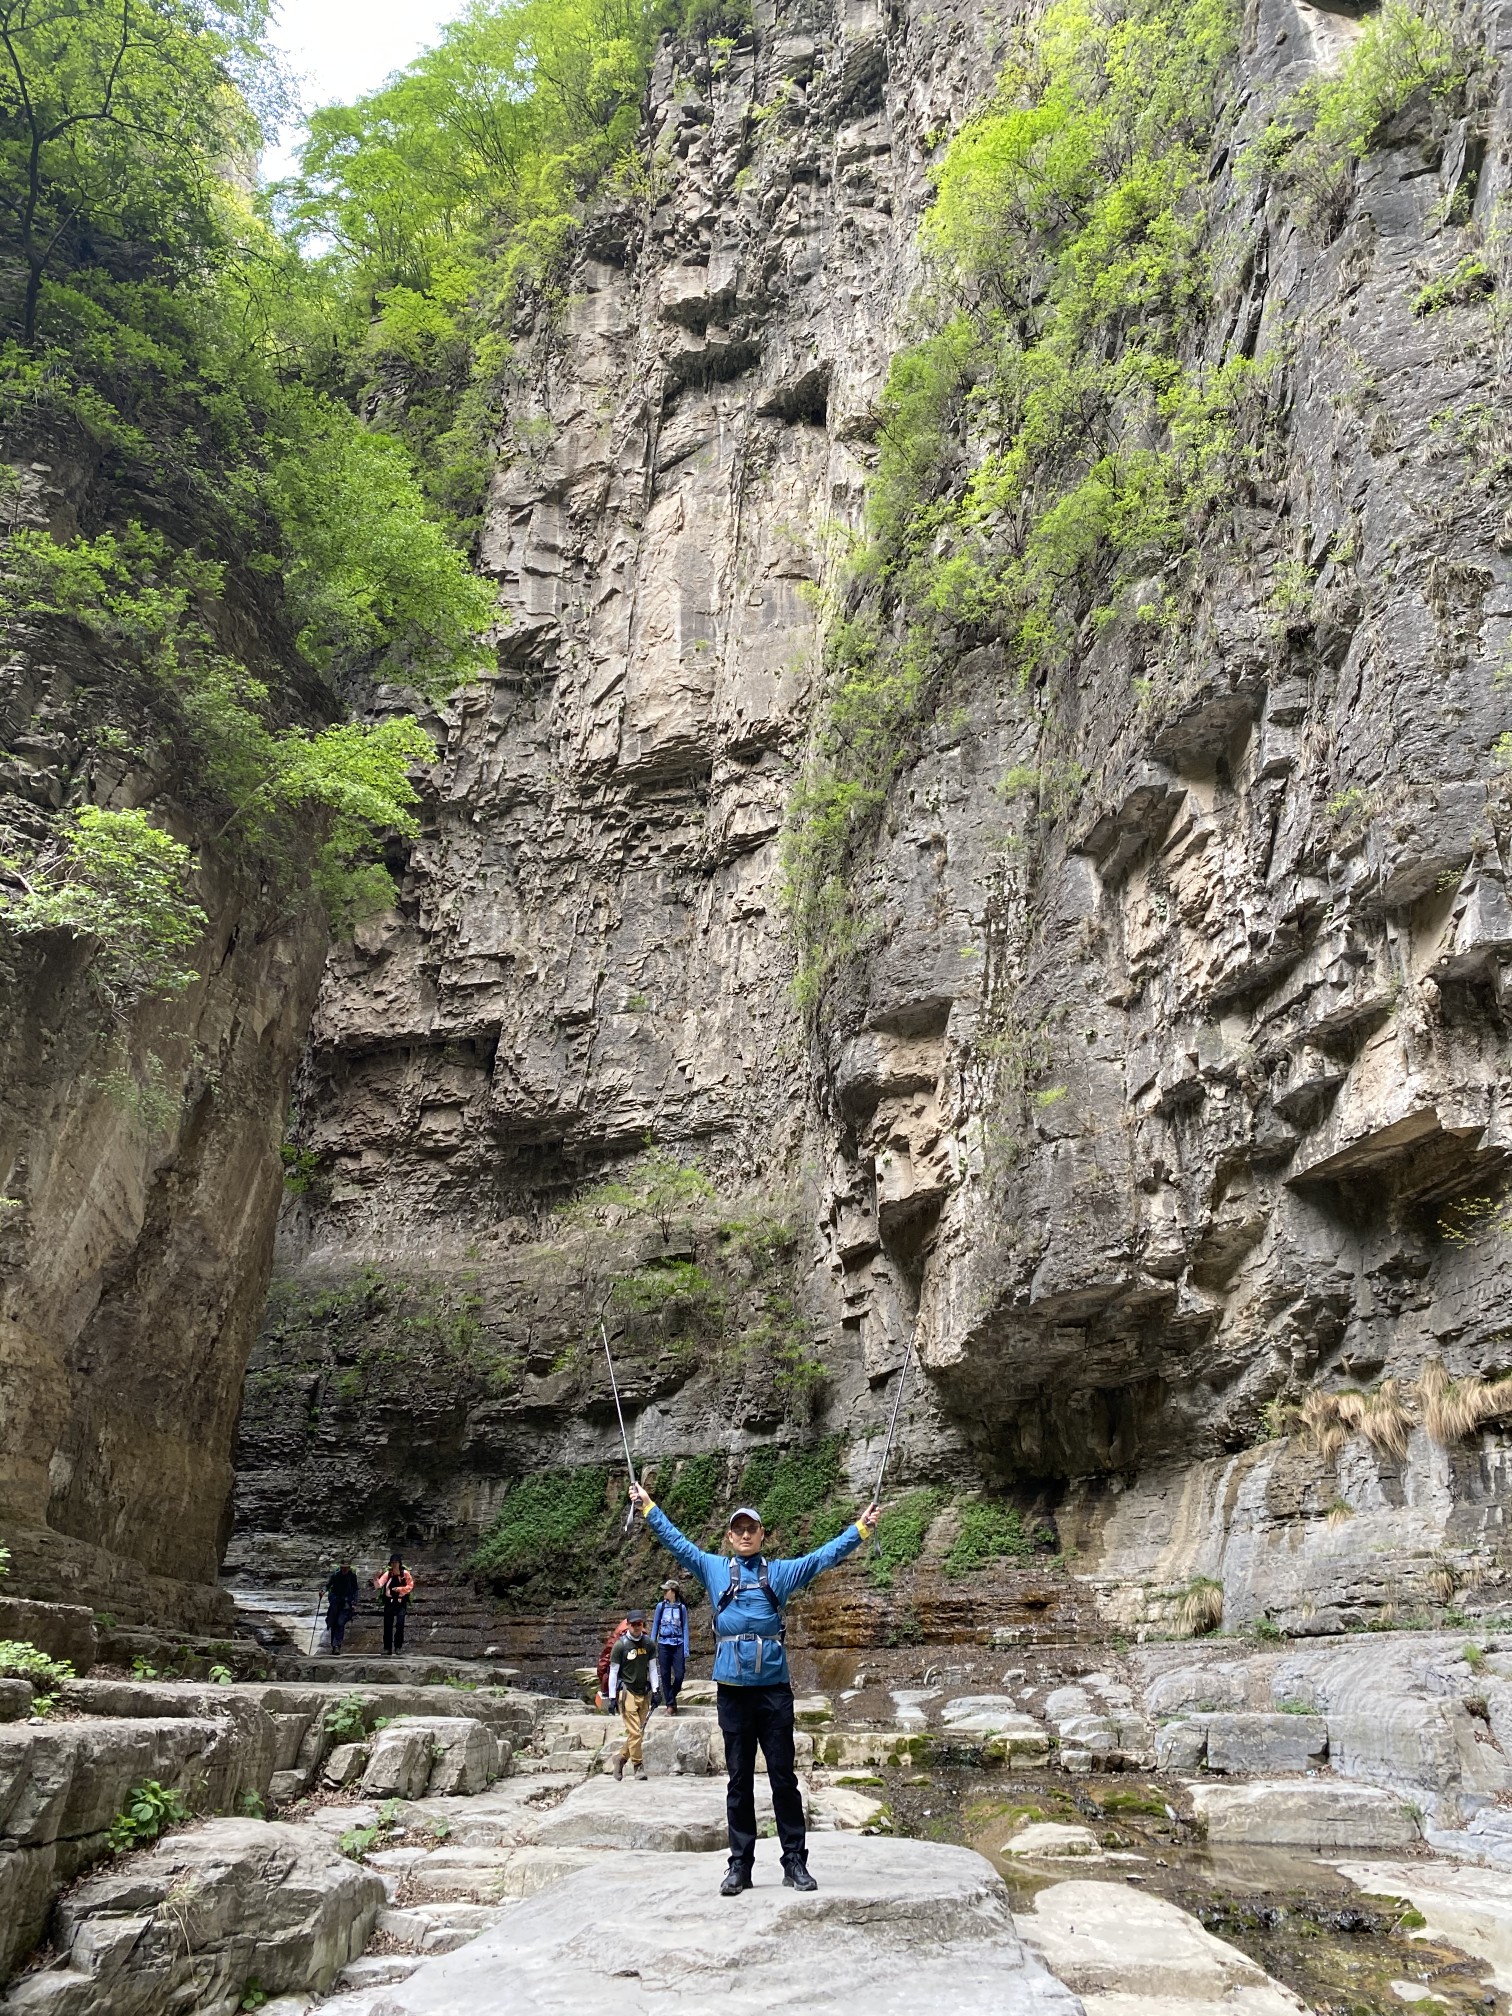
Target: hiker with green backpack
<point>748,1595</point>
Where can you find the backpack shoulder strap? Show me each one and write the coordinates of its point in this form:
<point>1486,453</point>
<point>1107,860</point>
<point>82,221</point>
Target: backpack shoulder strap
<point>763,1582</point>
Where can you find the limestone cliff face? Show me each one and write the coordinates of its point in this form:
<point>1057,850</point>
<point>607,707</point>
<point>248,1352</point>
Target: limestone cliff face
<point>1157,1095</point>
<point>140,1205</point>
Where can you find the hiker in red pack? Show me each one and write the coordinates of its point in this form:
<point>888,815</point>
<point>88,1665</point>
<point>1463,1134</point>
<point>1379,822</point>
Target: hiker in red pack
<point>396,1585</point>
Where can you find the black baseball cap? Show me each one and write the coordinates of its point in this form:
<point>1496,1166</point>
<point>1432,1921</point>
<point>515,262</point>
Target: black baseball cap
<point>635,1616</point>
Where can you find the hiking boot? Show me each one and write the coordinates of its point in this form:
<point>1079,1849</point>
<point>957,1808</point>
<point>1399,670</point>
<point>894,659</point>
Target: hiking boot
<point>795,1876</point>
<point>640,1770</point>
<point>736,1879</point>
<point>619,1766</point>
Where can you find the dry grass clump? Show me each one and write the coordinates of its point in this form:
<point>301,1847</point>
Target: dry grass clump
<point>1199,1608</point>
<point>1455,1408</point>
<point>1321,1422</point>
<point>1339,1511</point>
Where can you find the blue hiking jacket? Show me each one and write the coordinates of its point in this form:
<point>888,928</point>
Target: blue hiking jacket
<point>669,1622</point>
<point>748,1648</point>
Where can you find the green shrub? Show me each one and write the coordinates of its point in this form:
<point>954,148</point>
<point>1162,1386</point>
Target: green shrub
<point>1046,442</point>
<point>551,1528</point>
<point>1333,122</point>
<point>149,1809</point>
<point>901,1535</point>
<point>691,1500</point>
<point>346,1719</point>
<point>788,1486</point>
<point>988,1532</point>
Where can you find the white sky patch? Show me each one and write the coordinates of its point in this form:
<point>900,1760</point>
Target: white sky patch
<point>338,49</point>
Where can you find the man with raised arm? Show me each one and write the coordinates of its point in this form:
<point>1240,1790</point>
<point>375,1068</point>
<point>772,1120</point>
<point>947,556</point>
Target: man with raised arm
<point>748,1594</point>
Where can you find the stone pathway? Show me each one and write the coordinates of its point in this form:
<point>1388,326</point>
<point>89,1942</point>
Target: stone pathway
<point>897,1927</point>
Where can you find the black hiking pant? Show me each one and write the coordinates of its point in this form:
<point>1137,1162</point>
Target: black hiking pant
<point>671,1660</point>
<point>760,1715</point>
<point>393,1625</point>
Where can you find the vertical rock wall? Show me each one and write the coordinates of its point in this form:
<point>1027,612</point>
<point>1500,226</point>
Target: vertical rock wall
<point>1159,1092</point>
<point>139,1205</point>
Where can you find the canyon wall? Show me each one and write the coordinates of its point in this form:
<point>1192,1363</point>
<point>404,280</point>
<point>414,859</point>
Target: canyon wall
<point>1171,1080</point>
<point>140,1151</point>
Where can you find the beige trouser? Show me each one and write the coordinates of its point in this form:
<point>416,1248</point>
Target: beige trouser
<point>637,1712</point>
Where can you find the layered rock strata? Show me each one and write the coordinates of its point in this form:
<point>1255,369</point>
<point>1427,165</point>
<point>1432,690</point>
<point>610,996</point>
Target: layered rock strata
<point>1151,1098</point>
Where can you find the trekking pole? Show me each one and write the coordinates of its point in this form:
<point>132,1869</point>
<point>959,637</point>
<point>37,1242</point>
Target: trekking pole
<point>892,1427</point>
<point>624,1438</point>
<point>315,1624</point>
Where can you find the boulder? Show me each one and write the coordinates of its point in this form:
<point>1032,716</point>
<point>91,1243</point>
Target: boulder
<point>1258,1745</point>
<point>1019,1742</point>
<point>680,1815</point>
<point>1181,1745</point>
<point>895,1924</point>
<point>345,1765</point>
<point>15,1700</point>
<point>1289,1813</point>
<point>61,1630</point>
<point>468,1757</point>
<point>191,1923</point>
<point>813,1711</point>
<point>62,1783</point>
<point>979,1714</point>
<point>1148,1957</point>
<point>1053,1841</point>
<point>679,1747</point>
<point>442,1754</point>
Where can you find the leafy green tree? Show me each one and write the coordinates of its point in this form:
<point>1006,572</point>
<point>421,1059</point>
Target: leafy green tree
<point>121,884</point>
<point>120,119</point>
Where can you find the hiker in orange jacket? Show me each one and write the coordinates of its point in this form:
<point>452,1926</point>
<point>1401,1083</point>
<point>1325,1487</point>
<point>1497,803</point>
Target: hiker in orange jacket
<point>397,1586</point>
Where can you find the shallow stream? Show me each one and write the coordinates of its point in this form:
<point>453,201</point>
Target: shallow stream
<point>1341,1950</point>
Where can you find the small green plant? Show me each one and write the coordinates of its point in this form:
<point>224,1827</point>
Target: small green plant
<point>142,1668</point>
<point>1471,280</point>
<point>221,1676</point>
<point>346,1720</point>
<point>149,1809</point>
<point>254,1995</point>
<point>357,1842</point>
<point>21,1660</point>
<point>1265,1629</point>
<point>1474,1657</point>
<point>253,1804</point>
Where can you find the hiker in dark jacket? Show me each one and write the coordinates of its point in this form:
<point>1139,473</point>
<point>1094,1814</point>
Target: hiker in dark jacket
<point>341,1602</point>
<point>632,1682</point>
<point>669,1634</point>
<point>747,1594</point>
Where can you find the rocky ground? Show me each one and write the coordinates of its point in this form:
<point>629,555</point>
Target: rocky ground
<point>1206,1826</point>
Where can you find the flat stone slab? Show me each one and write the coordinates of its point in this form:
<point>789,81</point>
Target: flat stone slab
<point>1052,1841</point>
<point>896,1927</point>
<point>666,1815</point>
<point>1471,1908</point>
<point>1127,1954</point>
<point>1301,1813</point>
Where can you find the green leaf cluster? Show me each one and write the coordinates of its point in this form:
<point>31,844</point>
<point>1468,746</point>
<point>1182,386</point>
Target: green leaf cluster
<point>1313,145</point>
<point>121,884</point>
<point>901,1535</point>
<point>790,1486</point>
<point>21,1660</point>
<point>550,1526</point>
<point>1048,438</point>
<point>272,546</point>
<point>149,1809</point>
<point>988,1532</point>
